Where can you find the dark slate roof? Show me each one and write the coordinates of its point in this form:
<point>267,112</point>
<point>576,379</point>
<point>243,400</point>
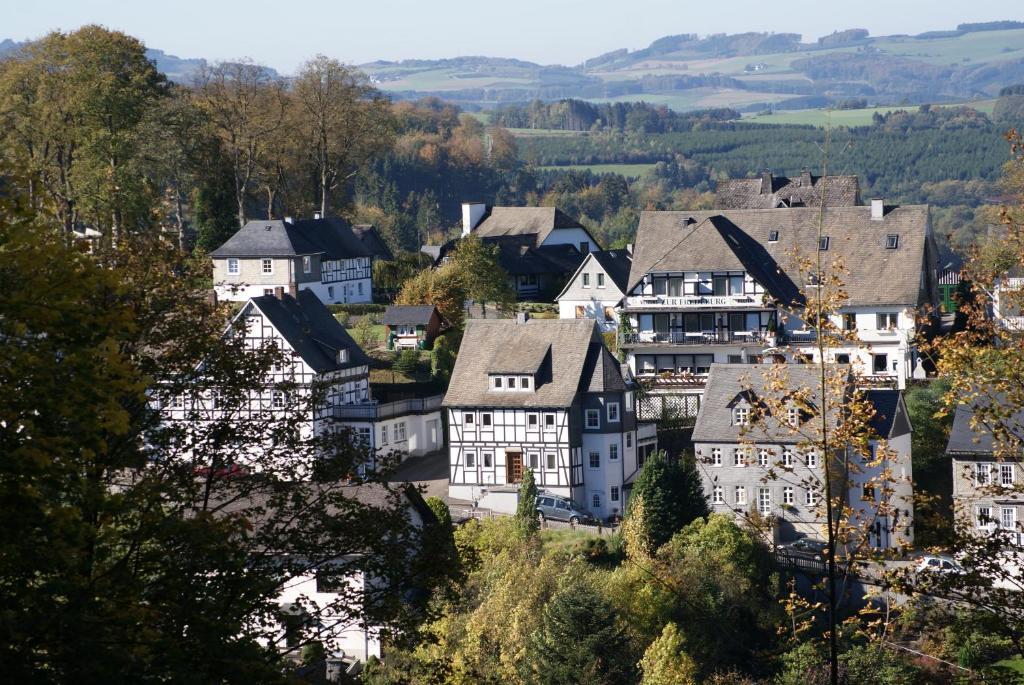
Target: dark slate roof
<point>373,241</point>
<point>333,238</point>
<point>727,381</point>
<point>409,314</point>
<point>518,258</point>
<point>967,439</point>
<point>536,222</point>
<point>887,406</point>
<point>738,239</point>
<point>311,330</point>
<point>616,264</point>
<point>491,344</point>
<point>768,192</point>
<point>602,372</point>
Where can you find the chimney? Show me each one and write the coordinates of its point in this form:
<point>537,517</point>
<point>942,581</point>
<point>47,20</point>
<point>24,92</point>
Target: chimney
<point>805,179</point>
<point>877,209</point>
<point>472,213</point>
<point>522,317</point>
<point>279,292</point>
<point>629,249</point>
<point>317,215</point>
<point>766,182</point>
<point>293,291</point>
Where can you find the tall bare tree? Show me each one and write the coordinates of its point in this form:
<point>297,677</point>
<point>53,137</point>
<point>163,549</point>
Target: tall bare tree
<point>342,122</point>
<point>246,105</point>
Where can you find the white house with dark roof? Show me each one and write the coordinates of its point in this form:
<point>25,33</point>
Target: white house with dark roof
<point>320,356</point>
<point>548,396</point>
<point>766,466</point>
<point>597,288</point>
<point>321,255</point>
<point>988,472</point>
<point>727,286</point>
<point>539,247</point>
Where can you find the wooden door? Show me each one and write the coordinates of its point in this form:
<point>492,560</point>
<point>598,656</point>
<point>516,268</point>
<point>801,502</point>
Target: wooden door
<point>513,467</point>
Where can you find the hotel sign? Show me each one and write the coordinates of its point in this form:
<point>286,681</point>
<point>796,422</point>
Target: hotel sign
<point>695,301</point>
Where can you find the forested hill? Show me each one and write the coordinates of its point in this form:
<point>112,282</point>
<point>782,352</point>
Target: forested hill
<point>749,71</point>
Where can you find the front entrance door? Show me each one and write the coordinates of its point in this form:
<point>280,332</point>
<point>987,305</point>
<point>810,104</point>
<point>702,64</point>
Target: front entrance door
<point>513,467</point>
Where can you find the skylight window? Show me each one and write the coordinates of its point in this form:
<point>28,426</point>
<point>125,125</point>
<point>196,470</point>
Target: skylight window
<point>823,243</point>
<point>892,241</point>
<point>773,236</point>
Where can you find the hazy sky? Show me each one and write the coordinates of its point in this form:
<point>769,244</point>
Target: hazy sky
<point>283,33</point>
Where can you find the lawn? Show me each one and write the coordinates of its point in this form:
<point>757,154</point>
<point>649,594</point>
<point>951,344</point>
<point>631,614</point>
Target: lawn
<point>627,170</point>
<point>847,117</point>
<point>1014,664</point>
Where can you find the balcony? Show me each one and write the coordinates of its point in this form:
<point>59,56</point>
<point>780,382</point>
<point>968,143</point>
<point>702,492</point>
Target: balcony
<point>655,302</point>
<point>373,411</point>
<point>641,338</point>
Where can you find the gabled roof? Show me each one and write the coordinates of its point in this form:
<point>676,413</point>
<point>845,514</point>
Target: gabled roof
<point>726,382</point>
<point>518,258</point>
<point>414,314</point>
<point>332,238</point>
<point>965,439</point>
<point>311,330</point>
<point>602,372</point>
<point>571,363</point>
<point>738,240</point>
<point>890,419</point>
<point>535,222</point>
<point>615,263</point>
<point>769,192</point>
<point>373,241</point>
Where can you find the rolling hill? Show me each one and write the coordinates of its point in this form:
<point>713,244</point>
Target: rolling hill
<point>750,72</point>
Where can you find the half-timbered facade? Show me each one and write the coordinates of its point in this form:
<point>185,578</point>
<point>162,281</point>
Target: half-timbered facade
<point>544,395</point>
<point>765,466</point>
<point>321,255</point>
<point>730,286</point>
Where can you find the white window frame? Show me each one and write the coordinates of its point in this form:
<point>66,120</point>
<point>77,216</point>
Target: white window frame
<point>471,460</point>
<point>467,419</point>
<point>1007,475</point>
<point>384,434</point>
<point>277,399</point>
<point>552,424</point>
<point>738,457</point>
<point>740,495</point>
<point>787,458</point>
<point>532,421</point>
<point>812,460</point>
<point>486,420</point>
<point>983,517</point>
<point>887,321</point>
<point>793,417</point>
<point>551,461</point>
<point>400,431</point>
<point>982,468</point>
<point>595,500</point>
<point>764,458</point>
<point>764,501</point>
<point>740,416</point>
<point>787,495</point>
<point>810,497</point>
<point>1008,518</point>
<point>716,456</point>
<point>307,264</point>
<point>593,419</point>
<point>613,412</point>
<point>233,266</point>
<point>718,495</point>
<point>586,280</point>
<point>266,266</point>
<point>600,280</point>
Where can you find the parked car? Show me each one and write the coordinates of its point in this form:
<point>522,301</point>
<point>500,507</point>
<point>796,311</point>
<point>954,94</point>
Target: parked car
<point>561,509</point>
<point>808,547</point>
<point>937,563</point>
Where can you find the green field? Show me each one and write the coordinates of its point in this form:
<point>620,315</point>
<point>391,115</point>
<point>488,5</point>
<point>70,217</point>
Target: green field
<point>700,98</point>
<point>627,170</point>
<point>847,117</point>
<point>1014,664</point>
<point>542,133</point>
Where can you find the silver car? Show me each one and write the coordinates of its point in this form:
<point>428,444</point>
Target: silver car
<point>561,509</point>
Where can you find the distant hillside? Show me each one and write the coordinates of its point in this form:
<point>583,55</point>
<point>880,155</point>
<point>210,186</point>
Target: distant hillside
<point>178,69</point>
<point>748,71</point>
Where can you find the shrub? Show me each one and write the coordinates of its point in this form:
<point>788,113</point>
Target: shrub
<point>407,361</point>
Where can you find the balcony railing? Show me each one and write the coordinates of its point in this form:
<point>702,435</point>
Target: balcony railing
<point>694,301</point>
<point>372,411</point>
<point>698,338</point>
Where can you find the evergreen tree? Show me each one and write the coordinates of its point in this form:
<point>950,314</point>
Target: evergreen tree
<point>526,510</point>
<point>665,662</point>
<point>672,497</point>
<point>579,640</point>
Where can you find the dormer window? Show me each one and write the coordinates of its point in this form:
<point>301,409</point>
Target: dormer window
<point>512,383</point>
<point>793,417</point>
<point>773,236</point>
<point>342,356</point>
<point>892,241</point>
<point>741,416</point>
<point>823,243</point>
<point>524,382</point>
<point>497,382</point>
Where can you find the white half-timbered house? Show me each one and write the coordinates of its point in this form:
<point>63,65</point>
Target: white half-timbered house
<point>729,286</point>
<point>322,255</point>
<point>548,396</point>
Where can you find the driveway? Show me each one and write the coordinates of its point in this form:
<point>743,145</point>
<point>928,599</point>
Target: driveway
<point>430,471</point>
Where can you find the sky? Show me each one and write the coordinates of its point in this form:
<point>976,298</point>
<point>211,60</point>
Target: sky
<point>284,33</point>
